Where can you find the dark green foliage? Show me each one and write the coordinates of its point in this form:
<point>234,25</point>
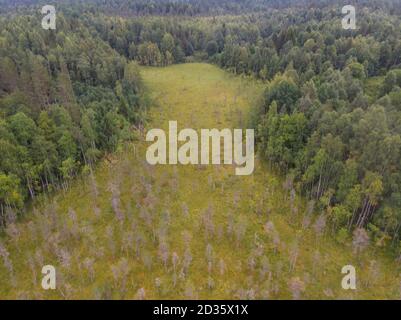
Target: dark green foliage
<point>66,97</point>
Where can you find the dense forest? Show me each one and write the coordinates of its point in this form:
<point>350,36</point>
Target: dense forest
<point>329,120</point>
<point>66,98</point>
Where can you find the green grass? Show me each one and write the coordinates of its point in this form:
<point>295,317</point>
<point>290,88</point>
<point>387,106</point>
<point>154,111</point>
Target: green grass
<point>197,96</point>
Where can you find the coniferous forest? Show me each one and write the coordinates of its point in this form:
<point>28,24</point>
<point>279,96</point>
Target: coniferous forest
<point>75,105</point>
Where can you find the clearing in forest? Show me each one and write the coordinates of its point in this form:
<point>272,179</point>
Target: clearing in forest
<point>174,232</point>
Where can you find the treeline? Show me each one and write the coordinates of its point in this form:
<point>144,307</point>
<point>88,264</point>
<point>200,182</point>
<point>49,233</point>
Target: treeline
<point>66,97</point>
<point>190,8</point>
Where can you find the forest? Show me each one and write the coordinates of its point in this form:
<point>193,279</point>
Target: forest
<point>68,96</point>
<point>328,120</point>
<point>66,99</point>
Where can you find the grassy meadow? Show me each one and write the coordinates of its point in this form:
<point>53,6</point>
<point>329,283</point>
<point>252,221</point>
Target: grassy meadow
<point>133,231</point>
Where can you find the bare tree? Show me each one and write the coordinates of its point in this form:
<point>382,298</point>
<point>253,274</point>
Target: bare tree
<point>265,267</point>
<point>72,214</point>
<point>276,242</point>
<point>210,283</point>
<point>294,252</point>
<point>222,267</point>
<point>39,257</point>
<point>96,211</point>
<point>288,185</point>
<point>293,207</point>
<point>209,253</point>
<point>127,242</point>
<point>88,264</point>
<point>374,273</point>
<point>95,191</point>
<point>141,294</point>
<point>307,218</point>
<point>32,266</point>
<point>251,263</point>
<point>296,286</point>
<point>185,210</point>
<point>189,291</point>
<point>13,232</point>
<point>158,284</point>
<point>269,228</point>
<point>110,239</point>
<point>115,204</point>
<point>230,224</point>
<point>120,273</point>
<point>187,237</point>
<point>4,254</point>
<point>207,219</point>
<point>240,230</point>
<point>147,260</point>
<point>139,243</point>
<point>320,225</point>
<point>220,232</point>
<point>174,260</point>
<point>163,253</point>
<point>316,259</point>
<point>187,260</point>
<point>360,240</point>
<point>64,257</point>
